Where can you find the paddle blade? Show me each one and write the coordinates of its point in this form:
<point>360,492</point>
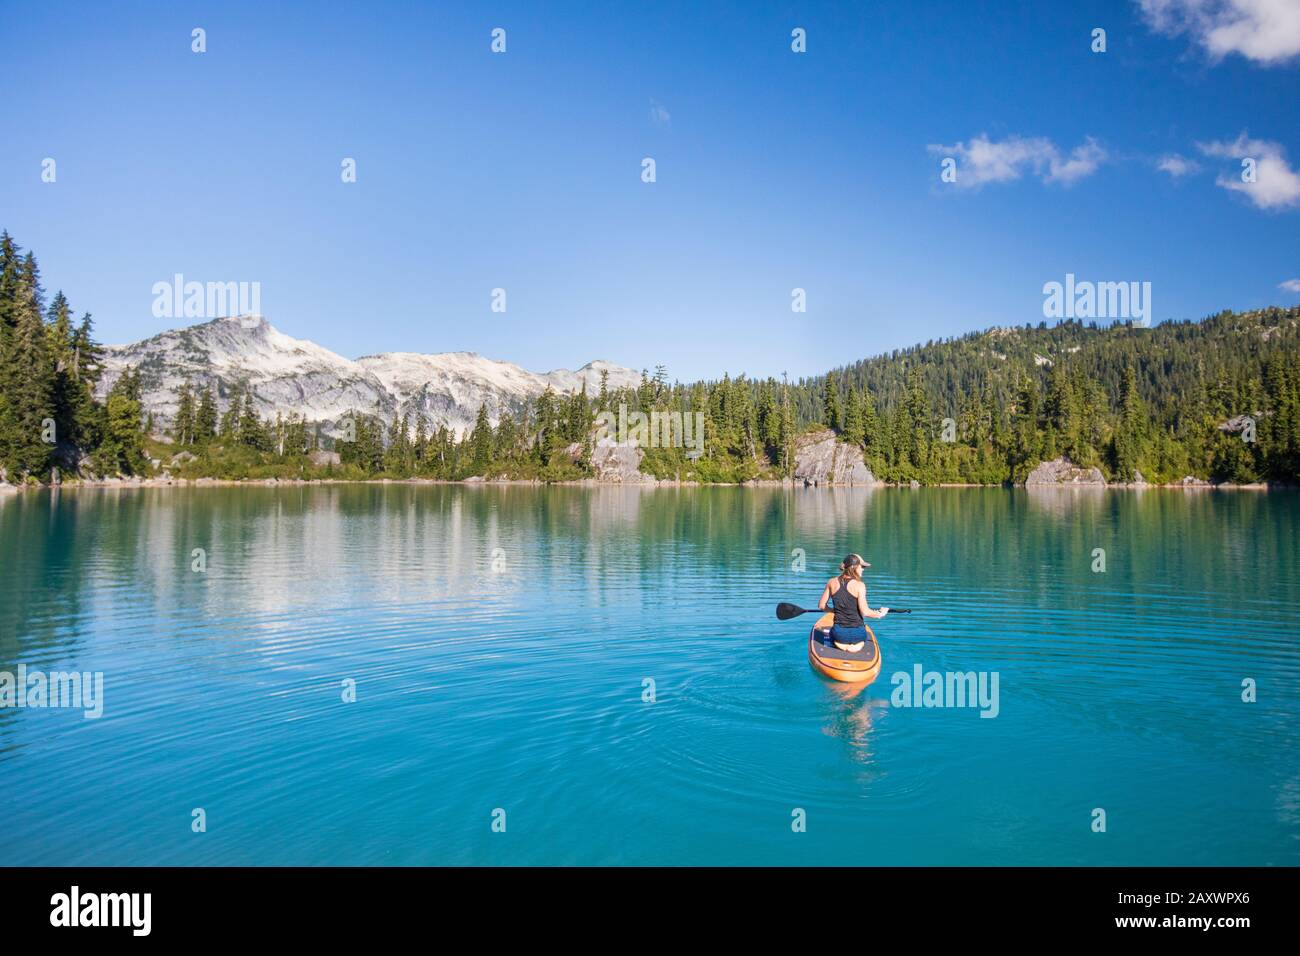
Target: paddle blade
<point>786,611</point>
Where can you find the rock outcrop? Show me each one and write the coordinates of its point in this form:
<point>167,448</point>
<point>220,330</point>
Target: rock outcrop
<point>618,464</point>
<point>821,459</point>
<point>1062,471</point>
<point>1238,424</point>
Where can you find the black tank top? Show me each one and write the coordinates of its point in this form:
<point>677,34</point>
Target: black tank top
<point>846,607</point>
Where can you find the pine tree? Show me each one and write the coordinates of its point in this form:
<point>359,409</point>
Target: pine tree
<point>28,429</point>
<point>872,439</point>
<point>579,417</point>
<point>184,428</point>
<point>480,442</point>
<point>205,417</point>
<point>10,268</point>
<point>1130,431</point>
<point>505,439</point>
<point>252,432</point>
<point>548,425</point>
<point>853,417</point>
<point>65,390</point>
<point>29,275</point>
<point>1025,451</point>
<point>229,428</point>
<point>831,410</point>
<point>660,383</point>
<point>421,450</point>
<point>397,456</point>
<point>294,440</point>
<point>122,450</point>
<point>769,420</point>
<point>787,428</point>
<point>919,422</point>
<point>86,413</point>
<point>1061,417</point>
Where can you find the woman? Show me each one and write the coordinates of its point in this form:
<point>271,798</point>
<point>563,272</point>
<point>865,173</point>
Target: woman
<point>848,595</point>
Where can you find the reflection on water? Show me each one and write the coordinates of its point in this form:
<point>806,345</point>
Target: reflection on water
<point>501,639</point>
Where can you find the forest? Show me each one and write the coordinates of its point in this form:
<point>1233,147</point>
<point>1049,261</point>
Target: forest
<point>1214,399</point>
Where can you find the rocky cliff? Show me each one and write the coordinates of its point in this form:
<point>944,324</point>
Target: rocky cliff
<point>822,459</point>
<point>618,464</point>
<point>1062,471</point>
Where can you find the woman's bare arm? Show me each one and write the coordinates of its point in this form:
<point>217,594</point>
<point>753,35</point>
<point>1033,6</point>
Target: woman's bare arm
<point>826,595</point>
<point>865,610</point>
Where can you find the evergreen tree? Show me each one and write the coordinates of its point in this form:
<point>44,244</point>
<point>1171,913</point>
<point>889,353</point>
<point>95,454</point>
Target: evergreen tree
<point>122,450</point>
<point>184,428</point>
<point>853,417</point>
<point>480,442</point>
<point>252,432</point>
<point>1130,431</point>
<point>205,417</point>
<point>10,269</point>
<point>28,429</point>
<point>66,393</point>
<point>86,413</point>
<point>1025,450</point>
<point>506,439</point>
<point>787,429</point>
<point>831,409</point>
<point>229,428</point>
<point>769,421</point>
<point>872,440</point>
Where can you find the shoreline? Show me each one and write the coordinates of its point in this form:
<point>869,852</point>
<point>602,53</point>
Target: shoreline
<point>9,490</point>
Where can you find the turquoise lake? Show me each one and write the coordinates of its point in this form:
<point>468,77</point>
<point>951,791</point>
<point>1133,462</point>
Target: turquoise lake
<point>604,666</point>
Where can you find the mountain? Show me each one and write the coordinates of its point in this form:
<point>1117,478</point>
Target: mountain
<point>297,377</point>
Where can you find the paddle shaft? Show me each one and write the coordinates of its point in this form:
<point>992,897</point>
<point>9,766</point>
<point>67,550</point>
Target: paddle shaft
<point>786,611</point>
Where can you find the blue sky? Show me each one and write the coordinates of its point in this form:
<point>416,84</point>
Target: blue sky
<point>775,170</point>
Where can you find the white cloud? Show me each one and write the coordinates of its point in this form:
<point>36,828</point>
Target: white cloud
<point>1265,31</point>
<point>1178,166</point>
<point>1083,161</point>
<point>658,115</point>
<point>983,160</point>
<point>1291,285</point>
<point>1276,186</point>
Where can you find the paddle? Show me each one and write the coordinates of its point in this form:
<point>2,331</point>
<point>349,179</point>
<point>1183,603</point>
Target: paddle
<point>786,611</point>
